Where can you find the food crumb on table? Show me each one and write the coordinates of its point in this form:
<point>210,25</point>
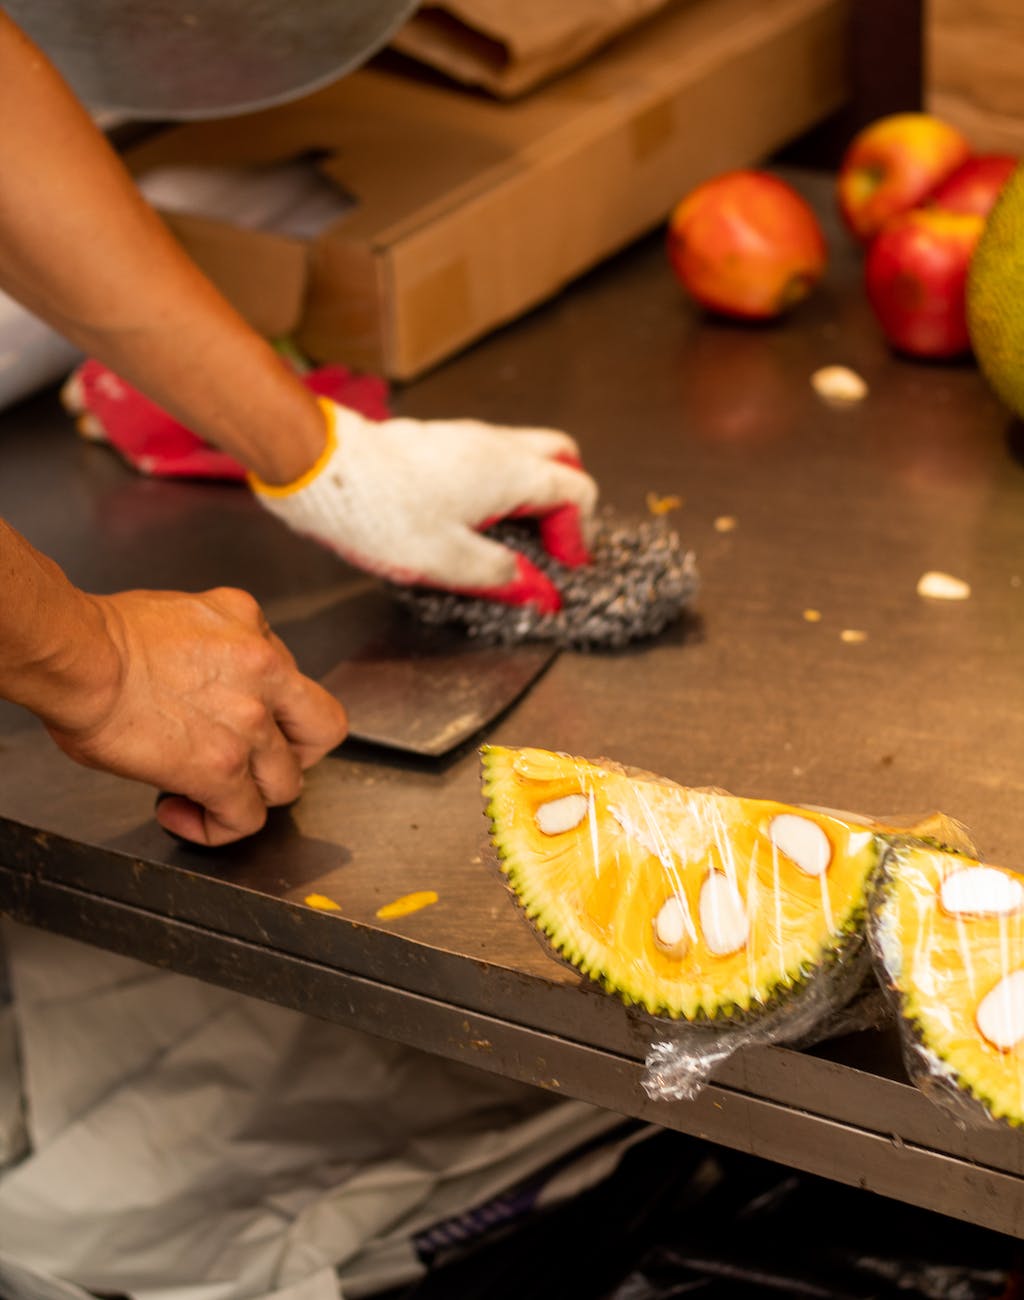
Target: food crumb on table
<point>407,904</point>
<point>839,385</point>
<point>942,586</point>
<point>322,903</point>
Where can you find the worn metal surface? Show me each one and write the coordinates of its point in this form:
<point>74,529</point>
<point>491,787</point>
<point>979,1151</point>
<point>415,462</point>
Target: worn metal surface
<point>838,511</point>
<point>405,685</point>
<point>898,1152</point>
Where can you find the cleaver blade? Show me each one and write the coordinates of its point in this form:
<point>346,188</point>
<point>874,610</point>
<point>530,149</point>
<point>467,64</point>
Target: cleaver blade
<point>405,684</point>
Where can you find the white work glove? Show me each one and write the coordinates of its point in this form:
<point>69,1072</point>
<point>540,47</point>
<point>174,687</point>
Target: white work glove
<point>406,499</point>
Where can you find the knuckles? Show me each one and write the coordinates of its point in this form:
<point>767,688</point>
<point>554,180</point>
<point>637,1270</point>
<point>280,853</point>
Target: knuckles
<point>225,757</point>
<point>250,717</point>
<point>238,604</point>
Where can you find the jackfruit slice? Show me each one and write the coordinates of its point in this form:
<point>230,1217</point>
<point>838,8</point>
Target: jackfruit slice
<point>949,934</point>
<point>693,904</point>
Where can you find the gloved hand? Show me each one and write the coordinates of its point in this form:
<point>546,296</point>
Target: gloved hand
<point>406,499</point>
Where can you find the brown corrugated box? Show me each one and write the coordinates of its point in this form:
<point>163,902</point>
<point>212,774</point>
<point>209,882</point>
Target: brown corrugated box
<point>469,211</point>
<point>973,55</point>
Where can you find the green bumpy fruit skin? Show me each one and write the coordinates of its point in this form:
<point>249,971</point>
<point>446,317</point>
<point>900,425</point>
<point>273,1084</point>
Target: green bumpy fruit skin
<point>956,1082</point>
<point>843,953</point>
<point>995,296</point>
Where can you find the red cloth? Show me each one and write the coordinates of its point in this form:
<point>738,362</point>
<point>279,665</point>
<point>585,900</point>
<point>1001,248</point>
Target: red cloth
<point>155,444</point>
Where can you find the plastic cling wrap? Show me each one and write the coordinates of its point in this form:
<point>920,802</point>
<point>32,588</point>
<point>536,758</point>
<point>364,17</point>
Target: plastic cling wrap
<point>948,935</point>
<point>730,920</point>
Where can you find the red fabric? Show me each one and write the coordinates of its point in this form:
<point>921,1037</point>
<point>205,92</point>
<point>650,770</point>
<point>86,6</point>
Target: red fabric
<point>155,444</point>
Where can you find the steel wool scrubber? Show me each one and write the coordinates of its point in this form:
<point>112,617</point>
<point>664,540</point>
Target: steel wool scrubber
<point>641,580</point>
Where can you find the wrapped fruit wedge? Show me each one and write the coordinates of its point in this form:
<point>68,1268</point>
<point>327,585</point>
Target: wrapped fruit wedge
<point>693,904</point>
<point>948,936</point>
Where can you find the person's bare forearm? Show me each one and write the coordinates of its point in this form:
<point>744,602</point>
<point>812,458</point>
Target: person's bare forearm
<point>56,657</point>
<point>82,249</point>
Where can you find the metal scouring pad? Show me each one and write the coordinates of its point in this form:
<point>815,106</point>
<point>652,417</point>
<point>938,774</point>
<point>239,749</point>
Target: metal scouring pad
<point>640,581</point>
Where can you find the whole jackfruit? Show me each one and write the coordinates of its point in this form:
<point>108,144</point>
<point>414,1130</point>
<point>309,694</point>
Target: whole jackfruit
<point>995,296</point>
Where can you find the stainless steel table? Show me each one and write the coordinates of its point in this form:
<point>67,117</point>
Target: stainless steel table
<point>835,510</point>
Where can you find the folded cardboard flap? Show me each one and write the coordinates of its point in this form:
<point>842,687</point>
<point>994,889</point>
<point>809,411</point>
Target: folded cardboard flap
<point>509,48</point>
<point>469,211</point>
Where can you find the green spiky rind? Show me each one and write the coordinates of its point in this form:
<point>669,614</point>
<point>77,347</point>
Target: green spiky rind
<point>894,841</point>
<point>906,1006</point>
<point>848,938</point>
<point>944,1069</point>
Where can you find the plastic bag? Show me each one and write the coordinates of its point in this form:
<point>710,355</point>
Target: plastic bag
<point>679,1216</point>
<point>947,932</point>
<point>730,921</point>
<point>759,1230</point>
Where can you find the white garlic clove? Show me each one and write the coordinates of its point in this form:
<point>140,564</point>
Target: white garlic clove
<point>839,385</point>
<point>942,586</point>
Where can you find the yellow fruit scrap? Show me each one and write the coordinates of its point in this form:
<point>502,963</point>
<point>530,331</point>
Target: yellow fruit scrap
<point>407,904</point>
<point>691,903</point>
<point>659,505</point>
<point>322,903</point>
<point>950,934</point>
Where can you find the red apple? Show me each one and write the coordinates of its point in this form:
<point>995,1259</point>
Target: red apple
<point>892,165</point>
<point>976,183</point>
<point>915,273</point>
<point>746,244</point>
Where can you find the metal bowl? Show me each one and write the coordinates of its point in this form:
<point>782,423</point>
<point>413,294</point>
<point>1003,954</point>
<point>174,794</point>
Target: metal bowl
<point>168,60</point>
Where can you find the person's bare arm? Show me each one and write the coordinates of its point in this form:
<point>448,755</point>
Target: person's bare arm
<point>194,693</point>
<point>82,249</point>
<point>189,693</point>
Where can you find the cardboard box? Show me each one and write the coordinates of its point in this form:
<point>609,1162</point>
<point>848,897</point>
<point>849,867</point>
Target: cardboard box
<point>973,55</point>
<point>470,211</point>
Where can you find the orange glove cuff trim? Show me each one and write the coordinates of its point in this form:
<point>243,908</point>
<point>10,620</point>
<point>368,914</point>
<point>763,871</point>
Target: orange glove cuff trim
<point>314,471</point>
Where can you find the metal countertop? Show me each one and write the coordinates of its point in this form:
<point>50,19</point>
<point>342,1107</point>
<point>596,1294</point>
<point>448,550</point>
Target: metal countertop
<point>839,511</point>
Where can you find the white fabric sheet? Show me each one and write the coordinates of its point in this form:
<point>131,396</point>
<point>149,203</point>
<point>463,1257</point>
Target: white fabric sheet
<point>189,1143</point>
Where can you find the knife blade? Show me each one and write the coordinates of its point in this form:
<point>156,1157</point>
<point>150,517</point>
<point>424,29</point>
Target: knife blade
<point>405,684</point>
